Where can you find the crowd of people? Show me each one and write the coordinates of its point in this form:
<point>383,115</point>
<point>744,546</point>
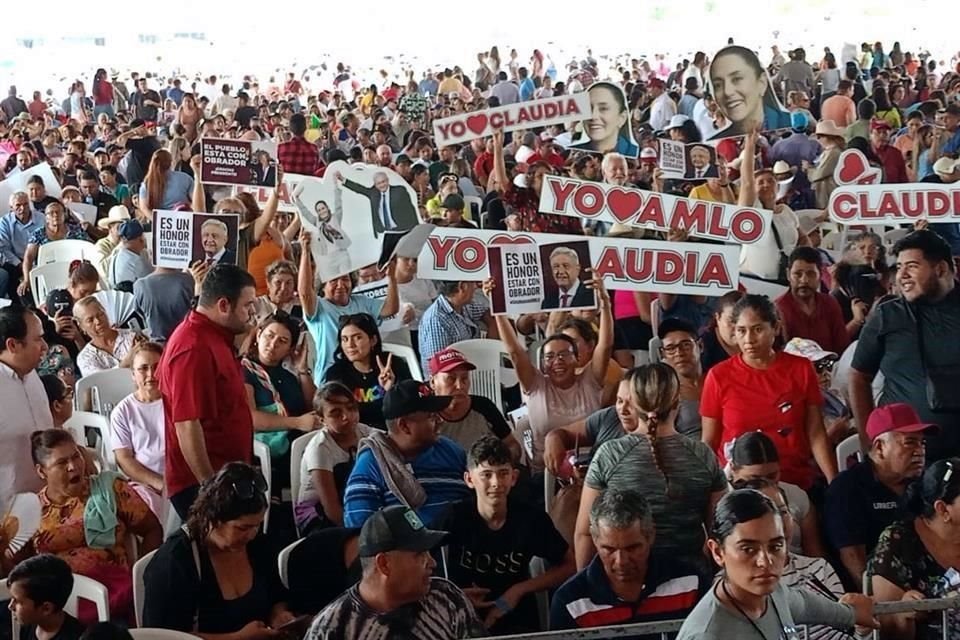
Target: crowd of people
<point>673,456</point>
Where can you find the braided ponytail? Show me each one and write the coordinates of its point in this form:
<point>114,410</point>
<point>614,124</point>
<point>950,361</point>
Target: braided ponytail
<point>655,391</point>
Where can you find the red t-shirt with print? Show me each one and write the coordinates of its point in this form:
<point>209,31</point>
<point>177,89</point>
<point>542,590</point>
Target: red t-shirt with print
<point>772,400</point>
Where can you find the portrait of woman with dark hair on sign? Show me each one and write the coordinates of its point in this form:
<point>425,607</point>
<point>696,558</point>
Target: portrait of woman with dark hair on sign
<point>608,128</point>
<point>744,93</point>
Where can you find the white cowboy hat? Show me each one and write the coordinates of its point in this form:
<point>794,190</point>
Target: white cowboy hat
<point>828,128</point>
<point>118,213</point>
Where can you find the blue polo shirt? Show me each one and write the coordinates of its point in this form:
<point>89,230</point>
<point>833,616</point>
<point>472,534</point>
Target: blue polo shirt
<point>859,507</point>
<point>671,591</point>
<point>439,470</point>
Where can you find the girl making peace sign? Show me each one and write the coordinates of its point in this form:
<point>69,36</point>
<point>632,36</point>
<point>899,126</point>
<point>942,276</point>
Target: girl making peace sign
<point>361,364</point>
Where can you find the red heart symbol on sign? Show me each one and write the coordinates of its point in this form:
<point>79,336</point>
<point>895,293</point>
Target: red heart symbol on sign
<point>477,123</point>
<point>502,238</point>
<point>623,204</point>
<point>853,164</point>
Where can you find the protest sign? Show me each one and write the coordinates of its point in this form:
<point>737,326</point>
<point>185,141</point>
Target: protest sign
<point>18,182</point>
<point>606,126</point>
<point>85,212</point>
<point>744,93</point>
<point>895,203</point>
<point>246,162</point>
<point>181,238</point>
<point>535,278</point>
<point>465,127</point>
<point>623,263</point>
<point>378,291</point>
<point>377,200</point>
<point>695,161</point>
<point>854,168</point>
<point>650,210</point>
<point>262,194</point>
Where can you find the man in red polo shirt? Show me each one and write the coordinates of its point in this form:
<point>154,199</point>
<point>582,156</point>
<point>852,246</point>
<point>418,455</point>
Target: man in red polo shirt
<point>894,168</point>
<point>547,153</point>
<point>806,312</point>
<point>207,420</point>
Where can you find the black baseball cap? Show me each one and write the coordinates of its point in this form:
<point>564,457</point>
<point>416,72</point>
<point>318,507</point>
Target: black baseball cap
<point>411,396</point>
<point>397,528</point>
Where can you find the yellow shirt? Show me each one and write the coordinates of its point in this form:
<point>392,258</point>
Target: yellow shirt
<point>702,192</point>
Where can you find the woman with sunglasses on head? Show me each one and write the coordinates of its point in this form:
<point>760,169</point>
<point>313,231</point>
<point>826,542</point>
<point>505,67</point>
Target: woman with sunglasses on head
<point>753,456</point>
<point>557,393</point>
<point>680,477</point>
<point>750,601</point>
<point>360,364</point>
<point>915,557</point>
<point>279,401</point>
<point>215,577</point>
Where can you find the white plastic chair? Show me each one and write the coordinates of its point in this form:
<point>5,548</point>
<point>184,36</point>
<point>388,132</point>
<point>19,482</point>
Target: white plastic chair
<point>67,251</point>
<point>656,312</point>
<point>491,373</point>
<point>161,634</point>
<point>5,302</point>
<point>89,589</point>
<point>106,389</point>
<point>46,278</point>
<point>408,354</point>
<point>297,448</point>
<point>283,562</point>
<point>476,206</point>
<point>761,287</point>
<point>78,424</point>
<point>537,568</point>
<point>139,595</point>
<point>847,448</point>
<point>519,420</point>
<point>892,236</point>
<point>262,452</point>
<point>654,351</point>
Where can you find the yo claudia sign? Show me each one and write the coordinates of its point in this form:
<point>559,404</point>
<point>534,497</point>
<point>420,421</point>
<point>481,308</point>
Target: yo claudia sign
<point>860,198</point>
<point>464,127</point>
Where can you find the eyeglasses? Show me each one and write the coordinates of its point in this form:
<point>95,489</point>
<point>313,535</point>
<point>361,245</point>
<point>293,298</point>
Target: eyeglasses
<point>685,346</point>
<point>247,488</point>
<point>448,178</point>
<point>561,356</point>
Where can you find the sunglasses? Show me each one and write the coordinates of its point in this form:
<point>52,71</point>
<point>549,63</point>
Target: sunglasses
<point>247,488</point>
<point>826,364</point>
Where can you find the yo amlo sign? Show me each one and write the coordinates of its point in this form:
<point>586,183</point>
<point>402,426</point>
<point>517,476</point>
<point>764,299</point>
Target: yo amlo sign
<point>650,210</point>
<point>624,263</point>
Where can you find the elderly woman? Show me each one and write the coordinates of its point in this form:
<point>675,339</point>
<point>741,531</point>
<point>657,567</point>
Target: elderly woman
<point>55,227</point>
<point>136,428</point>
<point>109,347</point>
<point>281,291</point>
<point>216,578</point>
<point>86,520</point>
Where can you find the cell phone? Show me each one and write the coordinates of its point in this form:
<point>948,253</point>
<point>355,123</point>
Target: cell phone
<point>63,308</point>
<point>296,628</point>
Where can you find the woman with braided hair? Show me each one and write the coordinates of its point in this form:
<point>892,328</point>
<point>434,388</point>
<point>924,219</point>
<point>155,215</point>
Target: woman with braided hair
<point>680,477</point>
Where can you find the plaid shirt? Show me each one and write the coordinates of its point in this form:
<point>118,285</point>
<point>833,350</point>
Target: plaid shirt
<point>526,205</point>
<point>441,327</point>
<point>299,156</point>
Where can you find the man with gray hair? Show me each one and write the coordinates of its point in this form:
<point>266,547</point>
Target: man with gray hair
<point>625,583</point>
<point>570,292</point>
<point>16,227</point>
<point>213,237</point>
<point>391,206</point>
<point>865,499</point>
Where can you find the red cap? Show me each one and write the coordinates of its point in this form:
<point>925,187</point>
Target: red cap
<point>878,124</point>
<point>448,360</point>
<point>899,417</point>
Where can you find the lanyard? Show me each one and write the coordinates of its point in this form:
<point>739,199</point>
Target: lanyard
<point>787,633</point>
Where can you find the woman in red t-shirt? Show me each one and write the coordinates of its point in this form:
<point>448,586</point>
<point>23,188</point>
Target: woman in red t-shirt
<point>102,94</point>
<point>764,389</point>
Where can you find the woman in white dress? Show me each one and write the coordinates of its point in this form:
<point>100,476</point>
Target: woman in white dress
<point>330,239</point>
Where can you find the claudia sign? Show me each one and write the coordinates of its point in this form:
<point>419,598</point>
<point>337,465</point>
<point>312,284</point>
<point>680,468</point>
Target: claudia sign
<point>624,263</point>
<point>464,127</point>
<point>861,198</point>
<point>649,210</point>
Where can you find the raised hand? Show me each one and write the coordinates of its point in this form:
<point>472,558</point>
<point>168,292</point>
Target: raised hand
<point>386,377</point>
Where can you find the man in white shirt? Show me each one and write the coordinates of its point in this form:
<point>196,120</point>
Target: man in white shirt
<point>662,108</point>
<point>130,261</point>
<point>505,91</point>
<point>24,402</point>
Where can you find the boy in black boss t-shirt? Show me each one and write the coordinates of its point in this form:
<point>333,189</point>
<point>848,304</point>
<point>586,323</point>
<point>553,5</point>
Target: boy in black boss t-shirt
<point>39,589</point>
<point>493,539</point>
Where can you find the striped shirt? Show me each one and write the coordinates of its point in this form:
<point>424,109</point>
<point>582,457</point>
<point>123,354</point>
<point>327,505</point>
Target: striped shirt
<point>587,599</point>
<point>439,470</point>
<point>814,574</point>
<point>445,613</point>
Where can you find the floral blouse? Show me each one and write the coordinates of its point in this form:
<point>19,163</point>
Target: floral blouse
<point>39,236</point>
<point>901,558</point>
<point>61,529</point>
<point>92,358</point>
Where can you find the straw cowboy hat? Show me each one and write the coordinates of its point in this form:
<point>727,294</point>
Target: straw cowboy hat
<point>828,128</point>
